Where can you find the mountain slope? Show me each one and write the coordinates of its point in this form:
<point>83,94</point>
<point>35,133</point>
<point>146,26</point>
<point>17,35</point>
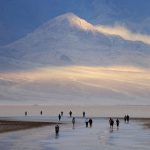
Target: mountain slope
<point>63,62</point>
<point>70,40</point>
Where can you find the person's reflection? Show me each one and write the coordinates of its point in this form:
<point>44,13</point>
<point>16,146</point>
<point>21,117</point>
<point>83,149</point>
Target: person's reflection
<point>111,130</point>
<point>57,131</point>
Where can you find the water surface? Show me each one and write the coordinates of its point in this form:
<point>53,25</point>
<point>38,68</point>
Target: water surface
<point>132,136</point>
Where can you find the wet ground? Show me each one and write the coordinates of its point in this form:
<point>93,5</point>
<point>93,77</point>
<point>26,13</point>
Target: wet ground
<point>132,136</point>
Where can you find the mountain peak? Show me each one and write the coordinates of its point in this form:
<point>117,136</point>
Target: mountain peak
<point>68,16</point>
<point>74,21</point>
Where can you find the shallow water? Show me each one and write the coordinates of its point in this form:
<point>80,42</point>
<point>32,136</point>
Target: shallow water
<point>129,136</point>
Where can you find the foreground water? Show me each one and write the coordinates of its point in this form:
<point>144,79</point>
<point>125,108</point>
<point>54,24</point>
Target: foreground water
<point>132,136</point>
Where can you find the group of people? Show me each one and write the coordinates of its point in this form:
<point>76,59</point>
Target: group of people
<point>126,118</point>
<point>111,122</point>
<point>88,122</point>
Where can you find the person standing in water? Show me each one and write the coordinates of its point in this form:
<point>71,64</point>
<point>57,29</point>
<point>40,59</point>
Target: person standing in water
<point>128,118</point>
<point>57,130</point>
<point>59,117</point>
<point>111,122</point>
<point>90,122</point>
<point>73,121</point>
<point>25,113</point>
<point>125,118</point>
<point>117,122</point>
<point>86,122</point>
<point>41,112</point>
<point>83,114</point>
<point>70,113</point>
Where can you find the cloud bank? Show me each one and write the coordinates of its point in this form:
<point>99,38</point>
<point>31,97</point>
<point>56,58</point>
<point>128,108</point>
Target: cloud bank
<point>73,84</point>
<point>124,33</point>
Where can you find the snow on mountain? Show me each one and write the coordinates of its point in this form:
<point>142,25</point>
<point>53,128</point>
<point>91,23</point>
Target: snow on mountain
<point>46,66</point>
<point>70,40</point>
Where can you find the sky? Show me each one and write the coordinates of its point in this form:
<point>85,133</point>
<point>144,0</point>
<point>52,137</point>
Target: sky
<point>19,17</point>
<point>84,52</point>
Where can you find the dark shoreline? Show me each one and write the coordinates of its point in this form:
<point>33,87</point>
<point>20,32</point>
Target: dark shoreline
<point>8,126</point>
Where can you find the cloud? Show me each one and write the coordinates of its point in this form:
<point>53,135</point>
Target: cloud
<point>124,33</point>
<point>117,30</point>
<point>116,83</point>
<point>137,76</point>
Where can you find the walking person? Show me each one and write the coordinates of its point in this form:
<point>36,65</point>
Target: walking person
<point>70,113</point>
<point>125,118</point>
<point>59,117</point>
<point>25,113</point>
<point>61,113</point>
<point>111,122</point>
<point>86,122</point>
<point>83,114</point>
<point>90,122</point>
<point>57,130</point>
<point>73,121</point>
<point>117,122</point>
<point>41,112</point>
<point>128,118</point>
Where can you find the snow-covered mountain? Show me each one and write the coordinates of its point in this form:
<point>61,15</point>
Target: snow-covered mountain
<point>70,40</point>
<point>19,18</point>
<point>63,62</point>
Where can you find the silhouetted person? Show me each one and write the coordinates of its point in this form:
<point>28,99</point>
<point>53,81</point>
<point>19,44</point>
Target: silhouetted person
<point>59,117</point>
<point>86,122</point>
<point>73,121</point>
<point>70,113</point>
<point>57,129</point>
<point>128,118</point>
<point>41,112</point>
<point>25,113</point>
<point>61,113</point>
<point>83,114</point>
<point>117,122</point>
<point>90,122</point>
<point>125,118</point>
<point>111,122</point>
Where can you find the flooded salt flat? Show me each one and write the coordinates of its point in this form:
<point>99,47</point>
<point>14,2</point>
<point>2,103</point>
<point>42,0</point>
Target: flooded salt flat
<point>129,136</point>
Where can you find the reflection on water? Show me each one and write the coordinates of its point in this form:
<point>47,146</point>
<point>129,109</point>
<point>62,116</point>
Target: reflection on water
<point>56,136</point>
<point>144,122</point>
<point>111,130</point>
